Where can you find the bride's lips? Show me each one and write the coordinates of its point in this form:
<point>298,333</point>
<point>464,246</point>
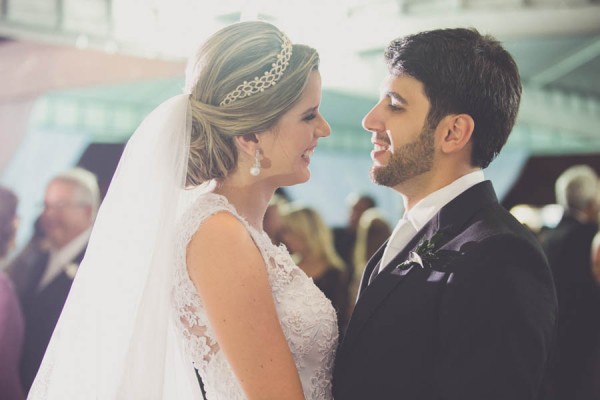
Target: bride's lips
<point>308,153</point>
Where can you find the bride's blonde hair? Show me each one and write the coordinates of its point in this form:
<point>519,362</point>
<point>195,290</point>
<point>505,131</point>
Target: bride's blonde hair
<point>238,53</point>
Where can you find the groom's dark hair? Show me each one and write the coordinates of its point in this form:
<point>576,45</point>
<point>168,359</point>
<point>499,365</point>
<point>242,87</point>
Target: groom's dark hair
<point>463,72</point>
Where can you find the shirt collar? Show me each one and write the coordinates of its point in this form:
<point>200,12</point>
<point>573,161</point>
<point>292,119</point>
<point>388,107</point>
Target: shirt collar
<point>425,209</point>
<point>73,248</point>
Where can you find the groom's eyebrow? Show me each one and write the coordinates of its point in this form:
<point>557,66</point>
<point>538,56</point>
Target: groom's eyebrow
<point>396,97</point>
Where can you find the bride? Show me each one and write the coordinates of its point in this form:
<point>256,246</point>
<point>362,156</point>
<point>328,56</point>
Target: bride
<point>176,279</point>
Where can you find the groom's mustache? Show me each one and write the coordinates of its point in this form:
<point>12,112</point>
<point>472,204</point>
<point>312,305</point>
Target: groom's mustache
<point>381,139</point>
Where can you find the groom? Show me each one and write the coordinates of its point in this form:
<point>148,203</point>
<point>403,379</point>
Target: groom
<point>459,303</point>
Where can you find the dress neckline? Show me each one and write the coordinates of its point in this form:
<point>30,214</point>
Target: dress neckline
<point>235,211</point>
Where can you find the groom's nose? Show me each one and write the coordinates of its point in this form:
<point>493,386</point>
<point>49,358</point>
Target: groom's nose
<point>371,122</point>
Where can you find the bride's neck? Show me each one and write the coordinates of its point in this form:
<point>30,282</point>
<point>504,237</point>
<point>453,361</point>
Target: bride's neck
<point>249,199</point>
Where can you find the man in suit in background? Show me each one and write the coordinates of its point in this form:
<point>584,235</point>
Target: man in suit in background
<point>44,274</point>
<point>459,304</point>
<point>568,247</point>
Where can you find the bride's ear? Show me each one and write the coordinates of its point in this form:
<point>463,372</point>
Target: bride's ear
<point>247,143</point>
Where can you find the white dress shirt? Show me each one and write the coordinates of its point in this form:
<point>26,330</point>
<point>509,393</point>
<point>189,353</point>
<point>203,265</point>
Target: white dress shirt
<point>423,211</point>
<point>60,259</point>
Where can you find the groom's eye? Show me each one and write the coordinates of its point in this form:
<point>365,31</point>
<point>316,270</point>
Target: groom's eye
<point>395,107</point>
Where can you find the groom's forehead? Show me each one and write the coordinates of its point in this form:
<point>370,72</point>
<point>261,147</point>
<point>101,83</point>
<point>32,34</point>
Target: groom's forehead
<point>403,89</point>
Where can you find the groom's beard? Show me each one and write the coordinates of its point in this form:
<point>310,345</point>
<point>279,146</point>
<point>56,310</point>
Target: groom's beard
<point>407,161</point>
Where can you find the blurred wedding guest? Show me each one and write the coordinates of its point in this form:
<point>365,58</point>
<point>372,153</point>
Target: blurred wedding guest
<point>11,319</point>
<point>344,237</point>
<point>372,231</point>
<point>43,280</point>
<point>596,274</point>
<point>33,253</point>
<point>596,258</point>
<point>310,242</point>
<point>567,247</point>
<point>283,195</point>
<point>530,217</point>
<point>272,222</point>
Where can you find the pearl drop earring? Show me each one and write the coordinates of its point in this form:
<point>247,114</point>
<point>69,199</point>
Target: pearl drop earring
<point>255,169</point>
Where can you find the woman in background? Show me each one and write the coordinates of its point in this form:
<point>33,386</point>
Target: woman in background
<point>310,242</point>
<point>372,231</point>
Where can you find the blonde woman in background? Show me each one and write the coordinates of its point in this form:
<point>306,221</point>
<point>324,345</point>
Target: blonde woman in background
<point>272,221</point>
<point>310,242</point>
<point>373,230</point>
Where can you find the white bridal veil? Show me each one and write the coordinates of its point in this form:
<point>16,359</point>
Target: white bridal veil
<point>116,336</point>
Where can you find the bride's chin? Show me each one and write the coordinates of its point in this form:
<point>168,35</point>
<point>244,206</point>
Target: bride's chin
<point>295,179</point>
<point>303,176</point>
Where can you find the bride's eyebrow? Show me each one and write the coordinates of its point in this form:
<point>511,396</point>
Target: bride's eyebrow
<point>311,110</point>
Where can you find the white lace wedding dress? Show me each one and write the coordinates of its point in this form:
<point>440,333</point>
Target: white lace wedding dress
<point>307,317</point>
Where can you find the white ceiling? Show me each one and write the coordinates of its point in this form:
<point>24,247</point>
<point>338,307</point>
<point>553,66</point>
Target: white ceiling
<point>558,36</point>
<point>556,43</point>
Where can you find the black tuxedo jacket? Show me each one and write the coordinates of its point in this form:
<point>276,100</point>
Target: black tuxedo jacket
<point>41,308</point>
<point>477,327</point>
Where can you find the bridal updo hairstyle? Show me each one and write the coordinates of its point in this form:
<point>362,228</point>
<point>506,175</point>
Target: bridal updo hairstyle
<point>238,53</point>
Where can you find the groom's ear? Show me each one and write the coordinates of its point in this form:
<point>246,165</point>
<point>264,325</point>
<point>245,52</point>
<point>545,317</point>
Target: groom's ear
<point>458,129</point>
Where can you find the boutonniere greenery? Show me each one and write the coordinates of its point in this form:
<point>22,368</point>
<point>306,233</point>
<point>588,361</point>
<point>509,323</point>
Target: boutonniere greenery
<point>428,255</point>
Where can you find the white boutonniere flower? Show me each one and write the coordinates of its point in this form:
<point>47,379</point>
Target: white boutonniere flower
<point>415,258</point>
<point>427,255</point>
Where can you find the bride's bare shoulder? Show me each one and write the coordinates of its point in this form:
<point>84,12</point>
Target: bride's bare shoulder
<point>221,239</point>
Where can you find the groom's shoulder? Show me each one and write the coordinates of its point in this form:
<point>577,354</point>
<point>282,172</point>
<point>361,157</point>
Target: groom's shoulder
<point>494,225</point>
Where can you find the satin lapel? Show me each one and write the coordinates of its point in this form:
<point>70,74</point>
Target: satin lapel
<point>27,287</point>
<point>36,271</point>
<point>449,220</point>
<point>371,265</point>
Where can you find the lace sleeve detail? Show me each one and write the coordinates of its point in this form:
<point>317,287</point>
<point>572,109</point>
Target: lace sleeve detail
<point>191,317</point>
<point>200,342</point>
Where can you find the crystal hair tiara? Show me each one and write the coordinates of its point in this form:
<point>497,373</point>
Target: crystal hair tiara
<point>269,79</point>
